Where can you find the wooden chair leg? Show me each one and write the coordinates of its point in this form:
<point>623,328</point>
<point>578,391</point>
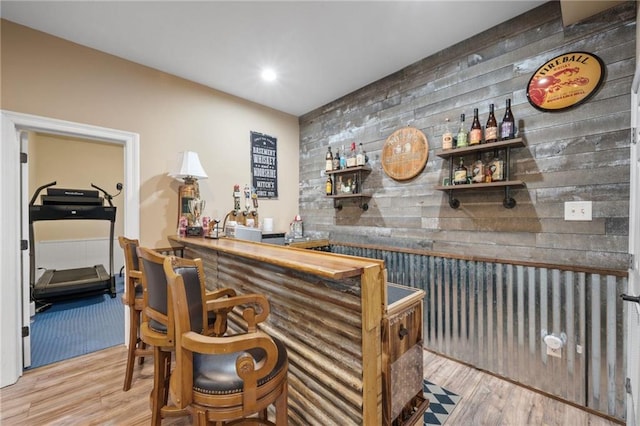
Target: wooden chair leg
<point>160,391</point>
<point>282,416</point>
<point>142,345</point>
<point>134,319</point>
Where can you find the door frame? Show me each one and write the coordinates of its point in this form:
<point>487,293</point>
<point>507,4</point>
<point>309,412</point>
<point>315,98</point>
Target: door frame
<point>14,307</point>
<point>632,315</point>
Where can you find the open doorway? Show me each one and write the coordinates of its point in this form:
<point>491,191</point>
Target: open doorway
<point>66,320</point>
<point>14,266</point>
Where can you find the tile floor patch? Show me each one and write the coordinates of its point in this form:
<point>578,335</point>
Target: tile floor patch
<point>441,403</point>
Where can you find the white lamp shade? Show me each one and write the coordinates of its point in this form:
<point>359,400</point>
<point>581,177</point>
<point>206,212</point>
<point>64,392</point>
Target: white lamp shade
<point>188,166</point>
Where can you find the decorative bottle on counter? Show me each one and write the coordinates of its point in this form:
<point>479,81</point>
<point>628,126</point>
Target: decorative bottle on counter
<point>475,134</point>
<point>329,186</point>
<point>491,129</point>
<point>460,174</point>
<point>329,160</point>
<point>508,125</point>
<point>343,159</point>
<point>447,137</point>
<point>462,134</point>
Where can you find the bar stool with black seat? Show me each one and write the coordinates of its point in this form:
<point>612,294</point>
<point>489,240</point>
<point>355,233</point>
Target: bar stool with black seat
<point>133,299</point>
<point>157,328</point>
<point>229,377</point>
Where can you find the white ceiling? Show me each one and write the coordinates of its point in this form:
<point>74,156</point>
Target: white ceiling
<point>321,50</point>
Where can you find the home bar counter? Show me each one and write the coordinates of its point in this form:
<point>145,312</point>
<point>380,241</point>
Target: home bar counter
<point>330,312</point>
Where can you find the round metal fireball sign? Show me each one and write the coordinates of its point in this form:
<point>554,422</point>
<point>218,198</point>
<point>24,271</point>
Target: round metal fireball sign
<point>565,81</point>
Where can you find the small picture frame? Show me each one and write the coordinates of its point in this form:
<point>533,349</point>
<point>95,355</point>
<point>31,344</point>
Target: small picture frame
<point>446,182</point>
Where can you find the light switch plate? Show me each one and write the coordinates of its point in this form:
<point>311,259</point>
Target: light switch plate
<point>578,210</point>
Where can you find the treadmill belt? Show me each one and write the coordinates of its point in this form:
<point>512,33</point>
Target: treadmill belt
<point>56,283</point>
<point>80,274</point>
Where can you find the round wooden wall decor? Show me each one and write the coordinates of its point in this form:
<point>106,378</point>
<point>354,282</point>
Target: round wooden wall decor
<point>405,153</point>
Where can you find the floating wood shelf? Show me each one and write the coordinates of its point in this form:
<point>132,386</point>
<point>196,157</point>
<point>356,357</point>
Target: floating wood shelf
<point>449,154</point>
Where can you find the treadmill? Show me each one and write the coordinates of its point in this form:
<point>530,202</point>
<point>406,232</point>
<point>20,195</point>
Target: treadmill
<point>71,204</point>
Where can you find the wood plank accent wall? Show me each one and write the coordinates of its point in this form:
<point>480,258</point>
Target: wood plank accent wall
<point>574,155</point>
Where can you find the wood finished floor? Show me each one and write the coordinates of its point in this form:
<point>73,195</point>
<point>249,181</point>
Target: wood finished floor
<point>88,391</point>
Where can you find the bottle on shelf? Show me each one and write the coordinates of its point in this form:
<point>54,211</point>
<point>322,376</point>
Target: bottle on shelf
<point>462,140</point>
<point>447,137</point>
<point>508,125</point>
<point>336,160</point>
<point>496,165</point>
<point>351,159</point>
<point>360,155</point>
<point>460,174</point>
<point>343,159</point>
<point>491,129</point>
<point>328,160</point>
<point>329,186</point>
<point>475,134</point>
<point>477,170</point>
<point>487,174</point>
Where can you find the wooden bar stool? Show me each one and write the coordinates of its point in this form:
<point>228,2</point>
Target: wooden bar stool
<point>158,326</point>
<point>224,378</point>
<point>132,298</point>
<point>253,421</point>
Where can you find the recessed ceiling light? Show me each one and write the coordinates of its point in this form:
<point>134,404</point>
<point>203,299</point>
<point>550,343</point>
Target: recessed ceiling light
<point>268,74</point>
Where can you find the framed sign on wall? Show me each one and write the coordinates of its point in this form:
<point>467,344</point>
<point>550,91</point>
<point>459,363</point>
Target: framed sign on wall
<point>264,165</point>
<point>565,81</point>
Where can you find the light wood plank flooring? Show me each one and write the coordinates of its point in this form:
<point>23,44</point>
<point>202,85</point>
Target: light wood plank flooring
<point>88,391</point>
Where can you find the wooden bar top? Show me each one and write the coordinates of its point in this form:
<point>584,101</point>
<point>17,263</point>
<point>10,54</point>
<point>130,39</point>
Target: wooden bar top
<point>329,265</point>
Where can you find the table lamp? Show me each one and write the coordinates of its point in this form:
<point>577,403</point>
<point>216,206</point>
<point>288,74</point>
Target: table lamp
<point>189,169</point>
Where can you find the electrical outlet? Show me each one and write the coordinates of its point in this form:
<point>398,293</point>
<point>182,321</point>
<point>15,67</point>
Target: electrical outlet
<point>554,352</point>
<point>578,210</point>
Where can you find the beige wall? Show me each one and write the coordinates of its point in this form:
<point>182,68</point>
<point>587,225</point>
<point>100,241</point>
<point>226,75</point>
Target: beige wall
<point>75,163</point>
<point>47,76</point>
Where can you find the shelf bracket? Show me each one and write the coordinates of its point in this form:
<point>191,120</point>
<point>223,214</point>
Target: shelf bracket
<point>508,201</point>
<point>454,203</point>
<point>337,204</point>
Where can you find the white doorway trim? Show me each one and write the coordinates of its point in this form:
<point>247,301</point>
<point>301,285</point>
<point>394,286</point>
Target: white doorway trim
<point>13,306</point>
<point>632,310</point>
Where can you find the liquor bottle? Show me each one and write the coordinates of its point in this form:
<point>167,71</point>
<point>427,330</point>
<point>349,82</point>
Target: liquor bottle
<point>477,171</point>
<point>343,159</point>
<point>491,129</point>
<point>460,174</point>
<point>336,160</point>
<point>462,141</point>
<point>475,135</point>
<point>508,125</point>
<point>329,161</point>
<point>447,137</point>
<point>360,155</point>
<point>329,186</point>
<point>351,159</point>
<point>497,167</point>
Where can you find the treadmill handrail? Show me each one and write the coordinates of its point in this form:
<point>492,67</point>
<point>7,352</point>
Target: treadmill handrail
<point>35,194</point>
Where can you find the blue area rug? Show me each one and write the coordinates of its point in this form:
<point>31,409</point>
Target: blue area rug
<point>77,327</point>
<point>441,403</point>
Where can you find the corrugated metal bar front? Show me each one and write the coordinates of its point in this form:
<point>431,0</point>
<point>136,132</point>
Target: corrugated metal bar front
<point>495,316</point>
